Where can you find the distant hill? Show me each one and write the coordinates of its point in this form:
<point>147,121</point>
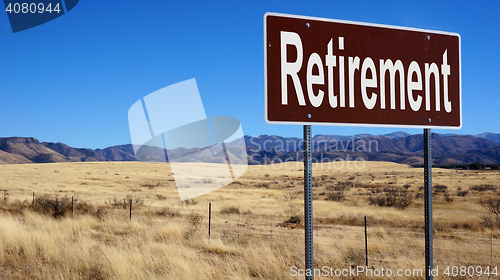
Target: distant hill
<point>8,158</point>
<point>495,137</point>
<point>446,150</point>
<point>400,147</point>
<point>490,153</point>
<point>395,135</point>
<point>440,144</point>
<point>117,153</point>
<point>73,154</point>
<point>30,149</point>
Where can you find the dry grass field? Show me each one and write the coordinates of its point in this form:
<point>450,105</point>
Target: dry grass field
<point>256,230</point>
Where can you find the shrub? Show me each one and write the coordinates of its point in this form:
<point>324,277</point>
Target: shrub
<point>51,206</point>
<point>492,205</point>
<point>194,220</point>
<point>342,186</point>
<point>167,212</point>
<point>290,206</point>
<point>345,185</point>
<point>115,203</point>
<point>490,222</point>
<point>462,193</point>
<point>99,214</point>
<point>264,185</point>
<point>475,166</point>
<point>137,201</point>
<point>483,187</point>
<point>440,188</point>
<point>230,210</point>
<point>190,201</point>
<point>447,197</point>
<point>125,203</point>
<point>350,220</point>
<point>338,196</point>
<point>14,206</point>
<point>161,196</point>
<point>295,219</point>
<point>60,207</point>
<point>392,197</point>
<point>82,207</point>
<point>354,257</point>
<point>149,186</point>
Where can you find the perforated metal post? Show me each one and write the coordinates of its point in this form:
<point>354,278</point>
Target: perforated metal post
<point>428,203</point>
<point>308,207</point>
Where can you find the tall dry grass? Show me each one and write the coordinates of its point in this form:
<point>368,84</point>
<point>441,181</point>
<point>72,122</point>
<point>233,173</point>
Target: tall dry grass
<point>165,239</point>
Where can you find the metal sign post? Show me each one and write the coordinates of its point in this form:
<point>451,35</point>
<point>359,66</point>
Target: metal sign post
<point>308,207</point>
<point>428,203</point>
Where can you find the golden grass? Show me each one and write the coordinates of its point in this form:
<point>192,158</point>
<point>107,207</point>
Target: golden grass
<point>162,241</point>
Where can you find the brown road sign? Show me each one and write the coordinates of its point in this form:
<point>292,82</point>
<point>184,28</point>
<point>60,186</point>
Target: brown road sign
<point>331,72</point>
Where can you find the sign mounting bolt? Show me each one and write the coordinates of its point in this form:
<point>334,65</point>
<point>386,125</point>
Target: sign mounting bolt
<point>307,24</point>
<point>308,116</point>
<point>429,120</point>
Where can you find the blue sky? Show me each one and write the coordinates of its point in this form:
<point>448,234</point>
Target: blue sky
<point>73,79</point>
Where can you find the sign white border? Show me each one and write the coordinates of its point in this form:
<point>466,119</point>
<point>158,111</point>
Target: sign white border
<point>364,24</point>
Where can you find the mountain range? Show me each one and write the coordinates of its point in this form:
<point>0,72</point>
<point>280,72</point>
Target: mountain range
<point>400,147</point>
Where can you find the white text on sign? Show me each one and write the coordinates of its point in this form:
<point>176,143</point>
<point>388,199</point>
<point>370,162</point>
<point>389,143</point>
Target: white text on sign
<point>410,89</point>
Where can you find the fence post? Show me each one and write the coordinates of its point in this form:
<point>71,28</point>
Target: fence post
<point>271,231</point>
<point>131,209</point>
<point>4,194</point>
<point>209,218</point>
<point>72,206</point>
<point>239,216</point>
<point>33,204</point>
<point>366,245</point>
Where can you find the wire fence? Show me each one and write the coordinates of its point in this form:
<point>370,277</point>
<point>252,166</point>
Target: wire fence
<point>373,243</point>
